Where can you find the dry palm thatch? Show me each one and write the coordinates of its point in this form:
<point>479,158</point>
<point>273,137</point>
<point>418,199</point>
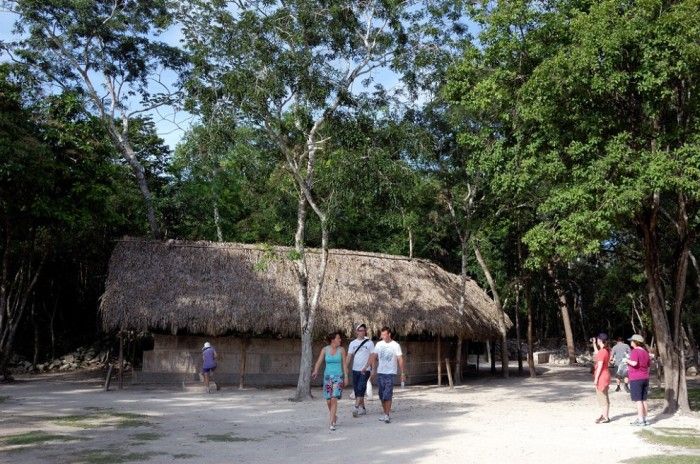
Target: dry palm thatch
<point>219,288</point>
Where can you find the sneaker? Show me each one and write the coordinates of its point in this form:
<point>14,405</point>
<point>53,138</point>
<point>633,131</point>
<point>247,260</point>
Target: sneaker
<point>383,418</point>
<point>638,423</point>
<point>362,412</point>
<point>602,420</point>
<point>646,422</point>
<point>387,419</point>
<point>355,412</point>
<point>332,428</point>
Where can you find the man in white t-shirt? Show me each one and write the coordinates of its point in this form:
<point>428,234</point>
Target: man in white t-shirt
<point>358,359</point>
<point>387,358</point>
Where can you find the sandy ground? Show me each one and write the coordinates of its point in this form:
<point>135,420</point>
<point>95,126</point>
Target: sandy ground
<point>487,420</point>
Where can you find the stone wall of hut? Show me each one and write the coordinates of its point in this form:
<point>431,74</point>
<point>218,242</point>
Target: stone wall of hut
<point>268,361</point>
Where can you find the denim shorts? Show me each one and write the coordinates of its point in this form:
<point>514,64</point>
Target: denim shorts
<point>385,384</point>
<point>639,389</point>
<point>359,383</point>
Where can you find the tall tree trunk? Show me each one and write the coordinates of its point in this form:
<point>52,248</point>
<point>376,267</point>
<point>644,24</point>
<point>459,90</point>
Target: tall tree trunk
<point>19,290</point>
<point>499,307</point>
<point>52,328</point>
<point>517,329</point>
<point>217,222</point>
<point>578,308</point>
<point>530,330</point>
<point>461,308</point>
<point>565,319</point>
<point>124,145</point>
<point>35,327</point>
<point>458,362</point>
<point>676,393</point>
<point>303,391</point>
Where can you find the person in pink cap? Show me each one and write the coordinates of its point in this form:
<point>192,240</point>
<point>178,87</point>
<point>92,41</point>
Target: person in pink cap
<point>638,363</point>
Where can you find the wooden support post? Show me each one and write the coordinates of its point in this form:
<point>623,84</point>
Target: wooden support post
<point>241,373</point>
<point>439,362</point>
<point>121,360</point>
<point>492,357</point>
<point>449,373</point>
<point>478,353</point>
<point>108,379</point>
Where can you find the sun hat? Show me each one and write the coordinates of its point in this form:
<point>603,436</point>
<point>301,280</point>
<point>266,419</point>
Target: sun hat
<point>602,336</point>
<point>636,338</point>
<point>361,326</point>
<point>206,345</point>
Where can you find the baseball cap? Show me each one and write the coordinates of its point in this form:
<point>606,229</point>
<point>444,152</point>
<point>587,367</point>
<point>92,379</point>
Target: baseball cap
<point>361,326</point>
<point>206,345</point>
<point>636,338</point>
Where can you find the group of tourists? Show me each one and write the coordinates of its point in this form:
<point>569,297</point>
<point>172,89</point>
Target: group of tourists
<point>366,360</point>
<point>632,370</point>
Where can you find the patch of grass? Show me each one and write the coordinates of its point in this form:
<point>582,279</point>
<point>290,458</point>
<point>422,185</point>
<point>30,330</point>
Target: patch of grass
<point>693,396</point>
<point>147,436</point>
<point>129,423</point>
<point>184,456</point>
<point>663,459</point>
<point>676,438</point>
<point>225,437</point>
<point>677,430</point>
<point>103,418</point>
<point>34,437</point>
<point>114,457</point>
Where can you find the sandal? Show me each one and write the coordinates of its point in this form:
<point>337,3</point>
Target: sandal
<point>602,420</point>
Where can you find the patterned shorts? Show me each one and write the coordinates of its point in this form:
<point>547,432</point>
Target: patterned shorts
<point>332,386</point>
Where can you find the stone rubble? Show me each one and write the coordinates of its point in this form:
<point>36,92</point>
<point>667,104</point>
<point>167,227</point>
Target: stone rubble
<point>81,358</point>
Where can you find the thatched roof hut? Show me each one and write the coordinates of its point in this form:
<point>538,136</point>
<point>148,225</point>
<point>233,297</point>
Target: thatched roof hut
<point>219,288</point>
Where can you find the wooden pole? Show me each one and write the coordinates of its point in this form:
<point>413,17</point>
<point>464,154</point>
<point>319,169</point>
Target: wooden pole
<point>449,373</point>
<point>121,360</point>
<point>108,379</point>
<point>244,350</point>
<point>439,362</point>
<point>478,353</point>
<point>458,361</point>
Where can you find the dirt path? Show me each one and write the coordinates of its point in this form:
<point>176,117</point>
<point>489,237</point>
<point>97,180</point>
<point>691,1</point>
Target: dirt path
<point>518,420</point>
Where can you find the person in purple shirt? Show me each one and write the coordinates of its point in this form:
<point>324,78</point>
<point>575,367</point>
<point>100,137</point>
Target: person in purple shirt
<point>638,363</point>
<point>208,364</point>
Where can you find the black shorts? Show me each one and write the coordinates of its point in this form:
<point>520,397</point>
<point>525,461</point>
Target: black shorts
<point>359,383</point>
<point>639,389</point>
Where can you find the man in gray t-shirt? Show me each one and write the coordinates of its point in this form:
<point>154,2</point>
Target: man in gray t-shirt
<point>620,351</point>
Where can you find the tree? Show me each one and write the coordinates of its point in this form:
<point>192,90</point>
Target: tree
<point>106,50</point>
<point>616,109</point>
<point>287,68</point>
<point>24,160</point>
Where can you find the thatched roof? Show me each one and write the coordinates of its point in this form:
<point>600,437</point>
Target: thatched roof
<point>217,288</point>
